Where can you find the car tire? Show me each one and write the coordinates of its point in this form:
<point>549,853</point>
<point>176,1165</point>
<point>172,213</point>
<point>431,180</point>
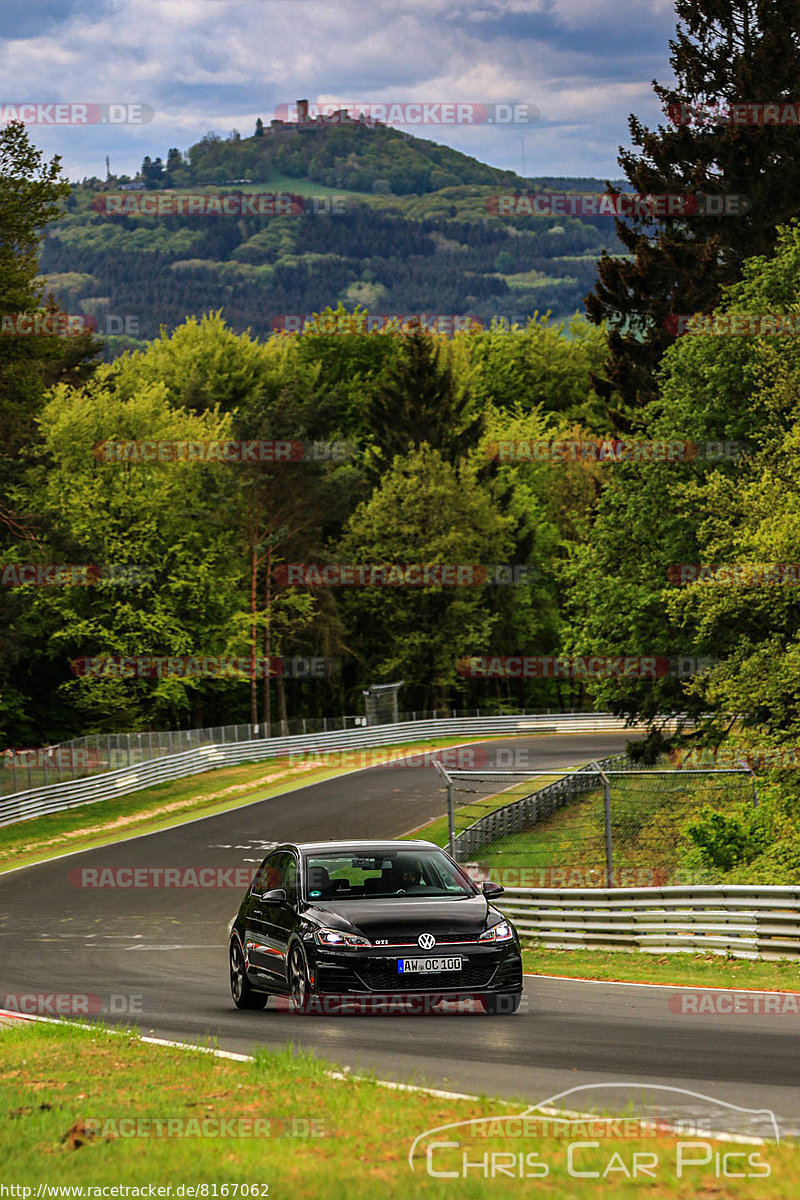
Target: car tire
<point>242,991</point>
<point>297,973</point>
<point>501,1004</point>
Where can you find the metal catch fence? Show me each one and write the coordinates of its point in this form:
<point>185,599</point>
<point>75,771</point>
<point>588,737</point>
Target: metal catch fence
<point>89,790</point>
<point>608,823</point>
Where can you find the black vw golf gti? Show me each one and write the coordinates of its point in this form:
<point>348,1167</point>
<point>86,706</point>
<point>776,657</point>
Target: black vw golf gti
<point>371,919</point>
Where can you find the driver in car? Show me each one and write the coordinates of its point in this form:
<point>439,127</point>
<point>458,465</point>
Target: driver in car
<point>408,877</point>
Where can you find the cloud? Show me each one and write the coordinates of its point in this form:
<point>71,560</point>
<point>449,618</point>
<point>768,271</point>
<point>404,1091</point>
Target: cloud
<point>219,64</point>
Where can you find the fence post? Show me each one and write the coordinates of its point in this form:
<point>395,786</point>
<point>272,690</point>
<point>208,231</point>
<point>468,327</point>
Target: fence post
<point>451,820</point>
<point>607,809</point>
<point>744,763</point>
<point>609,845</point>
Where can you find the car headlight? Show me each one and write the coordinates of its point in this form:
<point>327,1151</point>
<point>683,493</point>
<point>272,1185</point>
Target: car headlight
<point>501,932</point>
<point>341,941</point>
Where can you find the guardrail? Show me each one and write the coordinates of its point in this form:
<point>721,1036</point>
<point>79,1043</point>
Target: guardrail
<point>58,796</point>
<point>747,922</point>
<point>520,815</point>
<point>97,754</point>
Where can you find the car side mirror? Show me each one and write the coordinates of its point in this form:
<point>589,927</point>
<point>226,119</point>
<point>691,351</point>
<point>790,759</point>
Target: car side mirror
<point>274,896</point>
<point>492,889</point>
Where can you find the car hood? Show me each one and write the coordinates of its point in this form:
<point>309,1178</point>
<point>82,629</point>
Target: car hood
<point>398,917</point>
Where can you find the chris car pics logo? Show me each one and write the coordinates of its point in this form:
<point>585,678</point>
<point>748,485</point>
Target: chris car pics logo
<point>678,1133</point>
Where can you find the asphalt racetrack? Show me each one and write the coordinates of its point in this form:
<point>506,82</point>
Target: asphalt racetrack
<point>159,958</point>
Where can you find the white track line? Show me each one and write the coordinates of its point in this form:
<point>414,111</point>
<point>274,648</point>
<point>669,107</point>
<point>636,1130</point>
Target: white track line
<point>341,1076</point>
<point>680,987</point>
<point>346,1077</point>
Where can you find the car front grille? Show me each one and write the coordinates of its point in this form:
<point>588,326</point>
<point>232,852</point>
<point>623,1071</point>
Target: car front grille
<point>383,976</point>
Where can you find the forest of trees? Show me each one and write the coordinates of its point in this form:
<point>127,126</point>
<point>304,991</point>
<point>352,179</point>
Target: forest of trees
<point>360,232</point>
<point>156,270</point>
<point>422,416</point>
<point>355,158</point>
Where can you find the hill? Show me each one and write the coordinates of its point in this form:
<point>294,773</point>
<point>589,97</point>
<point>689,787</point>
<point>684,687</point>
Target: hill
<point>395,223</point>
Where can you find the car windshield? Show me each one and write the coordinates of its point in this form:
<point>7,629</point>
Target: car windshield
<point>351,875</point>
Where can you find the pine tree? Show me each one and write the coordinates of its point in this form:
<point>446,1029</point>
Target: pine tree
<point>417,400</point>
<point>725,52</point>
<point>32,192</point>
<point>259,127</point>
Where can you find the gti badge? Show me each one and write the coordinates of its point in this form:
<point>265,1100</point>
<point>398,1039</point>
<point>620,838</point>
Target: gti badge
<point>426,941</point>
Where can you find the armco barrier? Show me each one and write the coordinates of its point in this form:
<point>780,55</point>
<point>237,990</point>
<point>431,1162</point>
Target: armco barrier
<point>747,922</point>
<point>58,796</point>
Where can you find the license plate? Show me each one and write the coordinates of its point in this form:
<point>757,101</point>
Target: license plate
<point>426,965</point>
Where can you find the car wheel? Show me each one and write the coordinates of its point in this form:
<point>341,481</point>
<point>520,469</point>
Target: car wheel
<point>243,993</point>
<point>500,1004</point>
<point>299,987</point>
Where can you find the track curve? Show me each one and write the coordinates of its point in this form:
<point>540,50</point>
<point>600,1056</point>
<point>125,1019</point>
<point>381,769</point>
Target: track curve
<point>162,955</point>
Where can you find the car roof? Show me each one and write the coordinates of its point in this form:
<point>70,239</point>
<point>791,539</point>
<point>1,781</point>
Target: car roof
<point>372,846</point>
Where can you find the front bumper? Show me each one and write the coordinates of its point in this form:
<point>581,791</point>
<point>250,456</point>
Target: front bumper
<point>488,969</point>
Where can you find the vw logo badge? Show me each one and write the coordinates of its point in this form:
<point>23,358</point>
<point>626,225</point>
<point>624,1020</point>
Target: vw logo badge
<point>426,941</point>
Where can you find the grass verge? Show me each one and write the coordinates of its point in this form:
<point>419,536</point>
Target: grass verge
<point>170,804</point>
<point>437,831</point>
<point>85,1107</point>
<point>683,970</point>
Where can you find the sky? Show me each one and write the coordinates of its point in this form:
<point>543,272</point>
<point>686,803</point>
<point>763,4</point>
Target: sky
<point>191,66</point>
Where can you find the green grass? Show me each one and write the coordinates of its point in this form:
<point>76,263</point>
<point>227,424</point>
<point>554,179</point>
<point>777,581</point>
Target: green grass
<point>277,183</point>
<point>302,187</point>
<point>683,970</point>
<point>650,843</point>
<point>173,803</point>
<point>553,841</point>
<point>537,279</point>
<point>81,1108</point>
<point>437,831</point>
